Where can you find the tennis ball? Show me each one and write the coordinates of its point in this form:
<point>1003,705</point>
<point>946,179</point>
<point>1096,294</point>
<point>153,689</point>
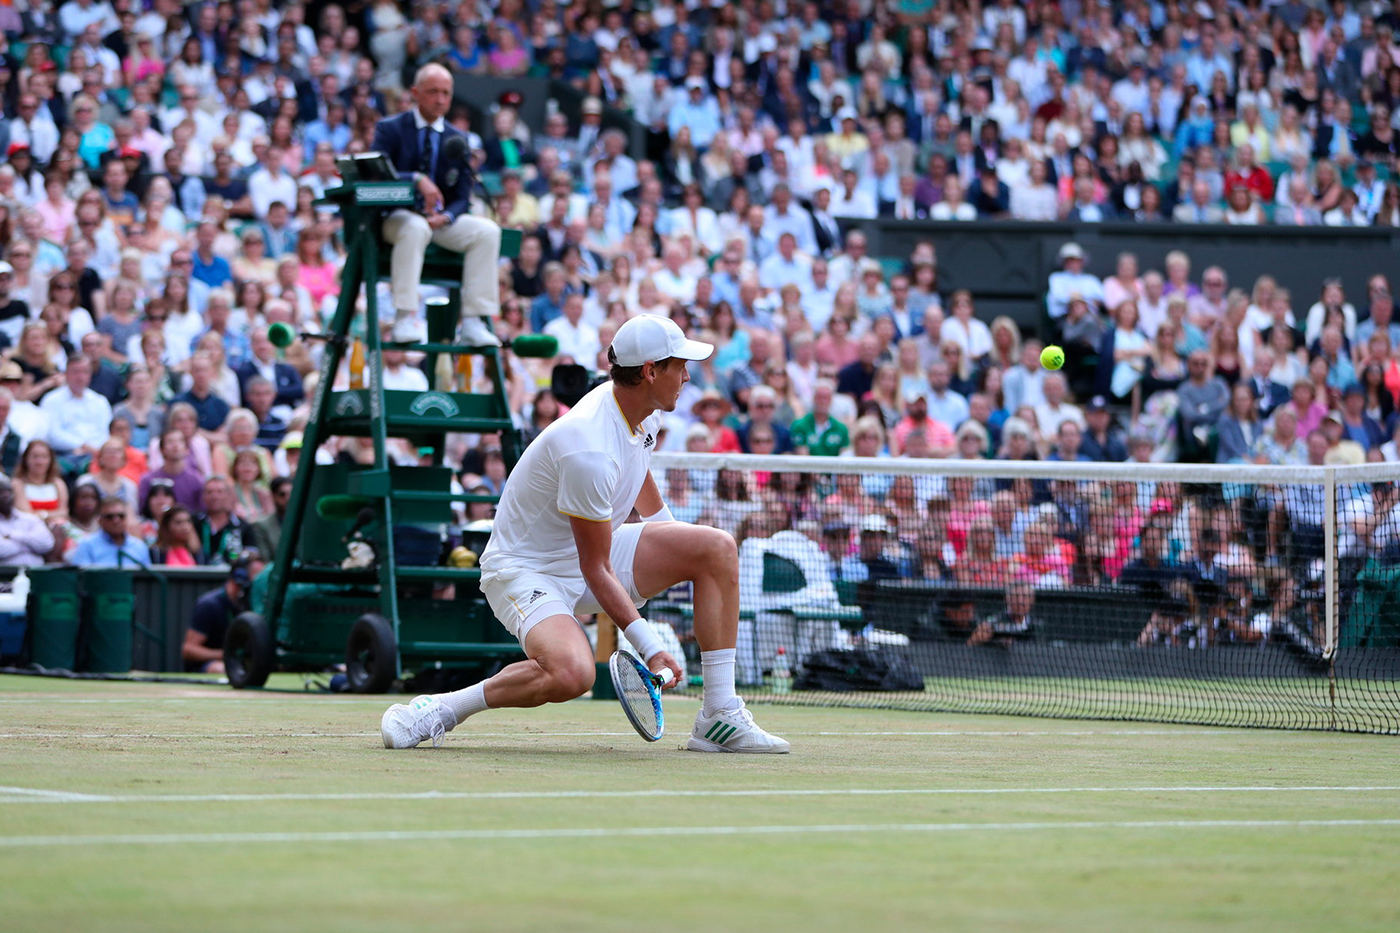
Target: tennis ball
<point>462,557</point>
<point>1052,357</point>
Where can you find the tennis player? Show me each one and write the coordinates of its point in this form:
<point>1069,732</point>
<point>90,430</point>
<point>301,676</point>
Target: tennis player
<point>559,547</point>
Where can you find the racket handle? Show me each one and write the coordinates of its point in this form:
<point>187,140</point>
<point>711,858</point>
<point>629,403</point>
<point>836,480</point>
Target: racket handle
<point>663,678</point>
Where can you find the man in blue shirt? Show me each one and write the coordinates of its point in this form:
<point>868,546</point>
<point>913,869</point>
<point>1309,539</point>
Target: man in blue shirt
<point>549,304</point>
<point>945,404</point>
<point>122,205</point>
<point>110,545</point>
<point>1069,437</point>
<point>699,111</point>
<point>212,410</point>
<point>208,268</point>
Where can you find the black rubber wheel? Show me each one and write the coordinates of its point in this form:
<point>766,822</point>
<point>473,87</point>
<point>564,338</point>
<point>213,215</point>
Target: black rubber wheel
<point>249,651</point>
<point>371,654</point>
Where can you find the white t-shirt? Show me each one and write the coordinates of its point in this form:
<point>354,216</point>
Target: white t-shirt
<point>975,338</point>
<point>589,464</point>
<point>405,379</point>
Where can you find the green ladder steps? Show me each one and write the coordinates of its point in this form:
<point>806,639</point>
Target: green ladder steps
<point>457,650</point>
<point>368,576</point>
<point>410,414</point>
<point>465,497</point>
<point>314,604</point>
<point>468,348</point>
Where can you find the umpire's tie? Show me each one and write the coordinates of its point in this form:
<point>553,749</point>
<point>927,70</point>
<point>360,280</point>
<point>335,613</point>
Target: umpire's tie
<point>425,161</point>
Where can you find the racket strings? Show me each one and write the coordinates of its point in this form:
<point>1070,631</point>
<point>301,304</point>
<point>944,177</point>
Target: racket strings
<point>636,696</point>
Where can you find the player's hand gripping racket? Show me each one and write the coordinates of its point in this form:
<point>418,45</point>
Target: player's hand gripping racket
<point>639,692</point>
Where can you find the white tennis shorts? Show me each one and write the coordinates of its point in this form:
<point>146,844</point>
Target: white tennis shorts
<point>522,598</point>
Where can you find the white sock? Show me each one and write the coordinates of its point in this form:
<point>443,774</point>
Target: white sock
<point>717,667</point>
<point>464,703</point>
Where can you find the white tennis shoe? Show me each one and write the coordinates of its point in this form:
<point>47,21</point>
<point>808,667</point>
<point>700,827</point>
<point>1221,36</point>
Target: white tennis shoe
<point>424,718</point>
<point>733,730</point>
<point>477,332</point>
<point>407,329</point>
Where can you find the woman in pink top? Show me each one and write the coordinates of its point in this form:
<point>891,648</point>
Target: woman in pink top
<point>143,62</point>
<point>508,59</point>
<point>835,347</point>
<point>56,209</point>
<point>1310,411</point>
<point>283,135</point>
<point>314,273</point>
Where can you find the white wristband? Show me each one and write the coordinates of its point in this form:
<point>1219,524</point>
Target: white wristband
<point>662,516</point>
<point>646,642</point>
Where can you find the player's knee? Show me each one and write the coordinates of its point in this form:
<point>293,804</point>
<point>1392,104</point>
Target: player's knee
<point>720,553</point>
<point>570,679</point>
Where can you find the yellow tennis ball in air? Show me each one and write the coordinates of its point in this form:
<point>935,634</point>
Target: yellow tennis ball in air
<point>1052,357</point>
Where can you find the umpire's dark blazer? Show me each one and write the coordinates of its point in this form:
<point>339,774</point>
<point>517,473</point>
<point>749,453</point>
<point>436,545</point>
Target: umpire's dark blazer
<point>400,140</point>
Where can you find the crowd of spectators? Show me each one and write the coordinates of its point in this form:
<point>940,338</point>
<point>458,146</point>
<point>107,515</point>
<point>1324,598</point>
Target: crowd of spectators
<point>158,211</point>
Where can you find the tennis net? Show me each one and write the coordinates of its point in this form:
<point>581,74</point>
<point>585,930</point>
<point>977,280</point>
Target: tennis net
<point>1220,595</point>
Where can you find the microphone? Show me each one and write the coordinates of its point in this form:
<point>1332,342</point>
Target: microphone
<point>366,517</point>
<point>454,151</point>
<point>281,335</point>
<point>539,346</point>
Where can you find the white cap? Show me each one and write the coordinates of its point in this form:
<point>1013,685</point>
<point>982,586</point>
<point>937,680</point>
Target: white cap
<point>875,524</point>
<point>650,337</point>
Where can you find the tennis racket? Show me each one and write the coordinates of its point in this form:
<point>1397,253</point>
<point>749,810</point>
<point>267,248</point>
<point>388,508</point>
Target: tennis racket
<point>639,692</point>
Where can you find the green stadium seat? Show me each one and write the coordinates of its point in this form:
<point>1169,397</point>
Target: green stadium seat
<point>491,181</point>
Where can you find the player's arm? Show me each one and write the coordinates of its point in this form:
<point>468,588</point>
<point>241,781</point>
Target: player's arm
<point>594,543</point>
<point>650,506</point>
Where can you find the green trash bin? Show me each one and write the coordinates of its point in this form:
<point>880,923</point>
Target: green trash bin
<point>55,615</point>
<point>109,611</point>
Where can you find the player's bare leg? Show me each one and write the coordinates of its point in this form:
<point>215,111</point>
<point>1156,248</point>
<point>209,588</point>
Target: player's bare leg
<point>675,552</point>
<point>559,667</point>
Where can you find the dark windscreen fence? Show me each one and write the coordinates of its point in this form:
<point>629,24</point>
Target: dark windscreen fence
<point>1233,596</point>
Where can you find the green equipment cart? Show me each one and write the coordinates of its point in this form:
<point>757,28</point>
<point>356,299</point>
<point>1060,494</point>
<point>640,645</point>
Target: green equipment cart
<point>404,610</point>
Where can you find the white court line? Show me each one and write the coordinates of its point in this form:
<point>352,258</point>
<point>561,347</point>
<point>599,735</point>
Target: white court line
<point>1202,730</point>
<point>25,795</point>
<point>46,796</point>
<point>229,697</point>
<point>656,832</point>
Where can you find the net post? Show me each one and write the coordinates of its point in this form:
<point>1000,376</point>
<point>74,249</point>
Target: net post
<point>1329,547</point>
<point>605,646</point>
<point>1329,585</point>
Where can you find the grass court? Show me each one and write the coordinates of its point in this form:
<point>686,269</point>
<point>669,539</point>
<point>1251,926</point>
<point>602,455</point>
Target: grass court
<point>157,807</point>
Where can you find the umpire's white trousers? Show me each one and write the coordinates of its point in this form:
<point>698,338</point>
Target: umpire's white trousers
<point>476,238</point>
